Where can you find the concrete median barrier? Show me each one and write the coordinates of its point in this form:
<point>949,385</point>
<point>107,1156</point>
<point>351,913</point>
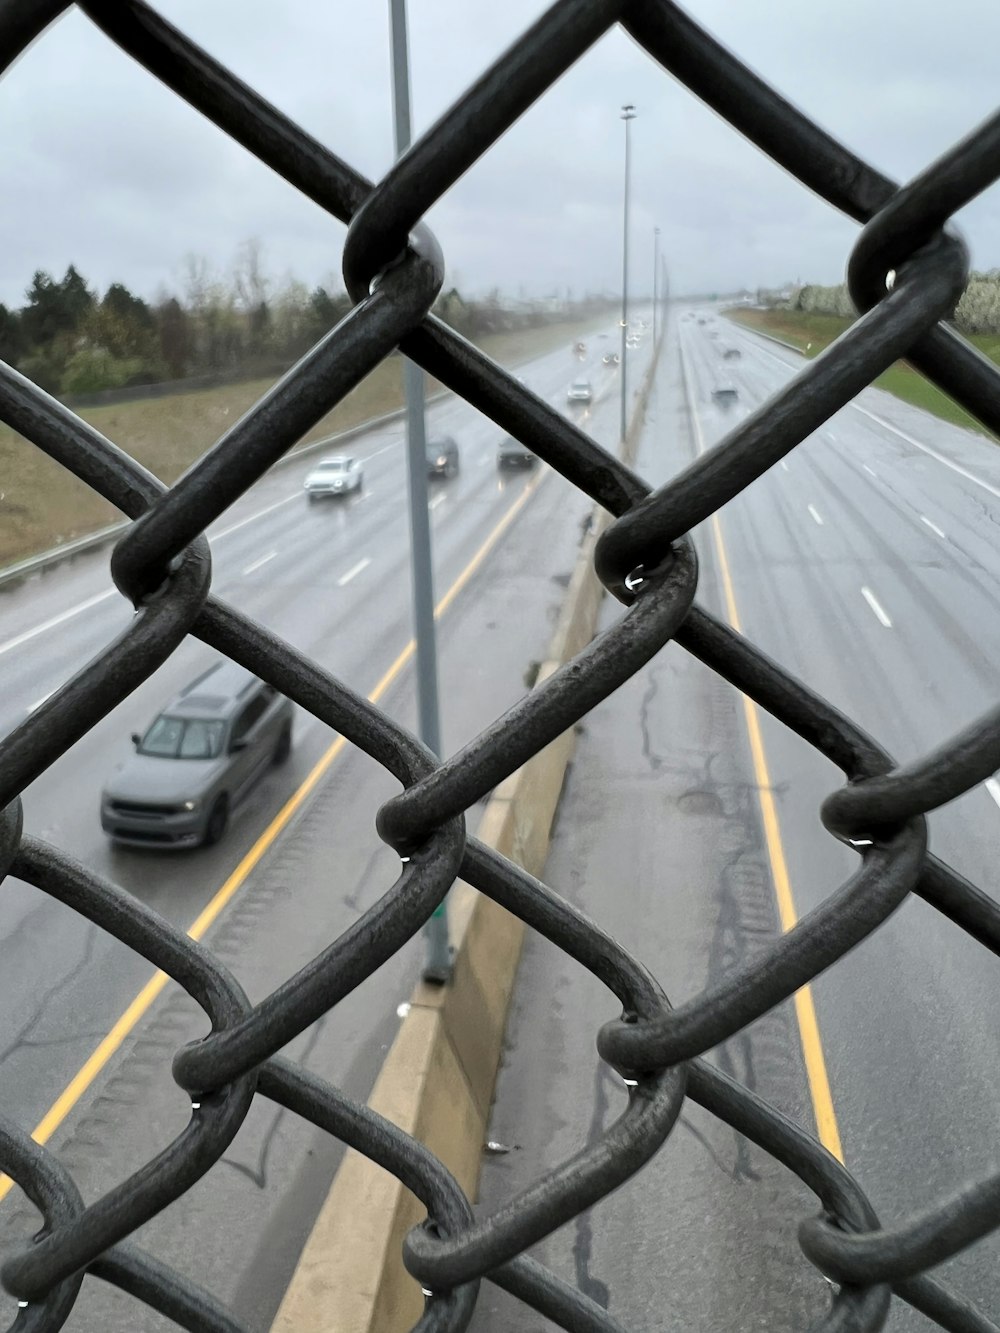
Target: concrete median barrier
<point>438,1077</point>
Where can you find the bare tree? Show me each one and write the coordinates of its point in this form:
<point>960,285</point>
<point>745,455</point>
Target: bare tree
<point>250,284</point>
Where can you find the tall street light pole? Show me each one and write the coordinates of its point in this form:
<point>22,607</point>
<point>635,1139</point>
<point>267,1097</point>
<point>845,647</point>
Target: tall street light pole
<point>438,962</point>
<point>628,115</point>
<point>656,275</point>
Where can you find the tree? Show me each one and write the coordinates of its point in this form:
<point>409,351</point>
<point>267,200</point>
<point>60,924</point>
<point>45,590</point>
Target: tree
<point>250,286</point>
<point>176,345</point>
<point>292,320</point>
<point>11,336</point>
<point>120,302</point>
<point>92,368</point>
<point>42,317</point>
<point>259,329</point>
<point>55,309</point>
<point>325,311</point>
<point>216,325</point>
<point>77,299</point>
<point>121,325</point>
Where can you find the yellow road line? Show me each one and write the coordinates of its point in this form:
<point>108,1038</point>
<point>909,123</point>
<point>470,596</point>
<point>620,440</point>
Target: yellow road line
<point>817,1077</point>
<point>805,1009</point>
<point>109,1044</point>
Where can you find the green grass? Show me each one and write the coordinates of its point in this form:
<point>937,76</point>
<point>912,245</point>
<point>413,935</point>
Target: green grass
<point>42,505</point>
<point>812,333</point>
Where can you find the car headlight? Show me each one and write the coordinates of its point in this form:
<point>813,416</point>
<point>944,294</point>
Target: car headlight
<point>190,805</point>
<point>441,461</point>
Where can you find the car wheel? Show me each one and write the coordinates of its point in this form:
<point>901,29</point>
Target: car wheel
<point>284,747</point>
<point>218,821</point>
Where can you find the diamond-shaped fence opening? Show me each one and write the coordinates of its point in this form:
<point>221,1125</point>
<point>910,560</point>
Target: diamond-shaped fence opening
<point>162,565</point>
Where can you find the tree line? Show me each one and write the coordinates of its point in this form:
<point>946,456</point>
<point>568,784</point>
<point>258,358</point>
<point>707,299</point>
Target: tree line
<point>71,339</point>
<point>978,310</point>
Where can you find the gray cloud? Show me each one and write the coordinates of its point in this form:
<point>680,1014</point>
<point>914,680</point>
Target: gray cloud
<point>105,168</point>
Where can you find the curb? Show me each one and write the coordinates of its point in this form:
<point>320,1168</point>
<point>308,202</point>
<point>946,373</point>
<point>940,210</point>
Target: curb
<point>438,1078</point>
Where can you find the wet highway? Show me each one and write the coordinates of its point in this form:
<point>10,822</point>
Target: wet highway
<point>333,579</point>
<point>867,565</point>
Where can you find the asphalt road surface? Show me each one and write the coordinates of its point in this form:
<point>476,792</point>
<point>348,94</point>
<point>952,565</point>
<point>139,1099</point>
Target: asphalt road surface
<point>334,580</point>
<point>868,566</point>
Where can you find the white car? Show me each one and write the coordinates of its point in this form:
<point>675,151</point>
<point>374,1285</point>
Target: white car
<point>334,476</point>
<point>579,391</point>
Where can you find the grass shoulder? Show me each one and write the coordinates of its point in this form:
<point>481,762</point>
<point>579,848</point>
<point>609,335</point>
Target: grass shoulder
<point>812,333</point>
<point>42,505</point>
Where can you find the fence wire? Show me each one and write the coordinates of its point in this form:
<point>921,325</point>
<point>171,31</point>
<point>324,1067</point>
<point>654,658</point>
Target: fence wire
<point>393,271</point>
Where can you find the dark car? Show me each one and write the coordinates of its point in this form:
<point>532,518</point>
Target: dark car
<point>512,453</point>
<point>442,457</point>
<point>197,760</point>
<point>725,395</point>
<point>732,354</point>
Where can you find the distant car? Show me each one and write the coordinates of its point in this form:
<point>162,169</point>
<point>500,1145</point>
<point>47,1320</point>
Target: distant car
<point>632,340</point>
<point>725,395</point>
<point>579,391</point>
<point>442,457</point>
<point>701,319</point>
<point>512,453</point>
<point>339,475</point>
<point>611,358</point>
<point>732,354</point>
<point>197,759</point>
<point>581,350</point>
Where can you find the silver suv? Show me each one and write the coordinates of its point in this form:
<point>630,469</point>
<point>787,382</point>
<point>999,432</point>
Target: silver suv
<point>197,760</point>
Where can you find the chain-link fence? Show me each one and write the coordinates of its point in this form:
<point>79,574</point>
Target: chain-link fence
<point>162,564</point>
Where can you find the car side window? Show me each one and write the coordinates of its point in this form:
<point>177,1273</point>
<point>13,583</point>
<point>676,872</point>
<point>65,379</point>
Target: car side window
<point>249,717</point>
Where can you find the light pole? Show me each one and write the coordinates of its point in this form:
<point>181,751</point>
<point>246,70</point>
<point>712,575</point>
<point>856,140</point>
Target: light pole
<point>438,964</point>
<point>628,115</point>
<point>656,275</point>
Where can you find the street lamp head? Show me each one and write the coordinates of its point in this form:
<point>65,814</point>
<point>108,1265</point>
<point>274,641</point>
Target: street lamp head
<point>628,112</point>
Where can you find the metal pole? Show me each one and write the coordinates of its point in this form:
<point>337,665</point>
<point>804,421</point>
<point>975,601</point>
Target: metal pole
<point>656,274</point>
<point>438,962</point>
<point>628,115</point>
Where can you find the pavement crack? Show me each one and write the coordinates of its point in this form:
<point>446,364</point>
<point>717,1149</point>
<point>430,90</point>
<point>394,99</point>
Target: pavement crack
<point>732,1172</point>
<point>654,760</point>
<point>25,924</point>
<point>257,1173</point>
<point>583,1243</point>
<point>23,1038</point>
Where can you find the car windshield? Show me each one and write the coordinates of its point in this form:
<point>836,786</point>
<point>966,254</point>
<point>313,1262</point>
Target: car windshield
<point>335,464</point>
<point>581,384</point>
<point>183,738</point>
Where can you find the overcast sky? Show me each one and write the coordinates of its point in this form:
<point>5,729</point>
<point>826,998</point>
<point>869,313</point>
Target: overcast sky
<point>105,168</point>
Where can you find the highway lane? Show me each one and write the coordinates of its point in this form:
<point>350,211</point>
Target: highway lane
<point>869,566</point>
<point>660,841</point>
<point>299,569</point>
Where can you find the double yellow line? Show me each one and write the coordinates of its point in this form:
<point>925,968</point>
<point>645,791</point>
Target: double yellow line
<point>109,1044</point>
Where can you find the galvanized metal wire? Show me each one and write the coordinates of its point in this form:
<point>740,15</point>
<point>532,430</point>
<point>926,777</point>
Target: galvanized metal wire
<point>162,565</point>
